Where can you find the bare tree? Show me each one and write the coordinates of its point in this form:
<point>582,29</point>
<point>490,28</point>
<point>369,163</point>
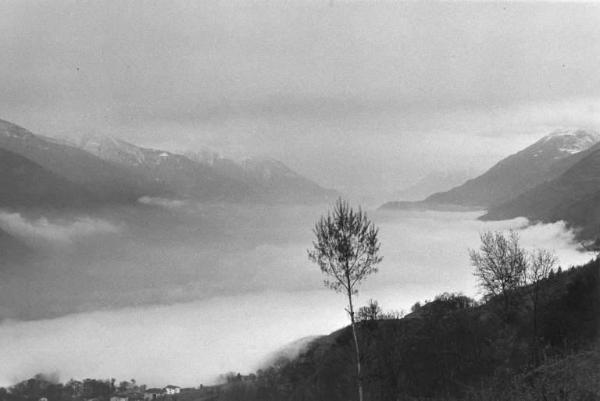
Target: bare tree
<point>347,251</point>
<point>371,311</point>
<point>499,264</point>
<point>541,263</point>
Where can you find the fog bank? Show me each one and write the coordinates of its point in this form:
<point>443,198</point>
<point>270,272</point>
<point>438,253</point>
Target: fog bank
<point>172,307</point>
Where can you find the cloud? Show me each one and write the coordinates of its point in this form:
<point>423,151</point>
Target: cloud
<point>162,202</point>
<point>188,302</point>
<point>428,251</point>
<point>184,344</point>
<point>46,233</point>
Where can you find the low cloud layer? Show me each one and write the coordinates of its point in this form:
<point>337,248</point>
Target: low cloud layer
<point>183,344</point>
<point>162,202</point>
<point>225,295</point>
<point>45,233</point>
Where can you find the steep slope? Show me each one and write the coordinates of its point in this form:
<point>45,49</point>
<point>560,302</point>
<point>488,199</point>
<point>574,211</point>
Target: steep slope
<point>545,160</point>
<point>14,252</point>
<point>572,197</point>
<point>432,183</point>
<point>272,179</point>
<point>178,174</point>
<point>116,171</point>
<point>279,183</point>
<point>450,349</point>
<point>207,176</point>
<point>106,181</point>
<point>25,184</point>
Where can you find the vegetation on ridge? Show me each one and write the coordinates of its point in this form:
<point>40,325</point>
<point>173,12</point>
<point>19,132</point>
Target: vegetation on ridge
<point>450,348</point>
<point>454,348</point>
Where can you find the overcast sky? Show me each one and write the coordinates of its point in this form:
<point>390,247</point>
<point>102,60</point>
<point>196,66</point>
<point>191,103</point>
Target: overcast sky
<point>362,96</point>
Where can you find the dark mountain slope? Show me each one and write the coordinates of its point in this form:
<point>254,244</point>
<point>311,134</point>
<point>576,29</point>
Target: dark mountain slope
<point>271,179</point>
<point>116,171</point>
<point>434,182</point>
<point>106,181</point>
<point>206,176</point>
<point>14,252</point>
<point>545,160</point>
<point>574,197</point>
<point>25,184</point>
<point>278,183</point>
<point>180,175</point>
<point>451,350</point>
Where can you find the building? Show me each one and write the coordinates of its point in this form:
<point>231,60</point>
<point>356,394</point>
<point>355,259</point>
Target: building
<point>172,390</point>
<point>135,397</point>
<point>153,394</point>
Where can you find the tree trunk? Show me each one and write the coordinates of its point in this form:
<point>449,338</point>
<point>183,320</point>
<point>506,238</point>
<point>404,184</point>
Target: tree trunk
<point>535,329</point>
<point>356,348</point>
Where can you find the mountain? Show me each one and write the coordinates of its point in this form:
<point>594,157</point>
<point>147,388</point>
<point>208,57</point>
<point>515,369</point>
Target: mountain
<point>279,183</point>
<point>208,176</point>
<point>176,174</point>
<point>543,161</point>
<point>111,170</point>
<point>434,182</point>
<point>105,181</point>
<point>14,253</point>
<point>573,197</point>
<point>272,179</point>
<point>24,183</point>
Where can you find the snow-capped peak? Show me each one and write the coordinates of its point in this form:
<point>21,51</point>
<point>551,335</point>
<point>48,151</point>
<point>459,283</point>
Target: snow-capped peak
<point>572,141</point>
<point>113,149</point>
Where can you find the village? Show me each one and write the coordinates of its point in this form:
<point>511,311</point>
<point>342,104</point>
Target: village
<point>167,393</point>
<point>107,390</point>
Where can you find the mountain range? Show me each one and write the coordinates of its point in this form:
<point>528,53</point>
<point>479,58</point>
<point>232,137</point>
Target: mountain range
<point>432,183</point>
<point>556,178</point>
<point>46,172</point>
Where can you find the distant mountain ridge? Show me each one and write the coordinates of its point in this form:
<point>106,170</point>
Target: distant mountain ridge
<point>432,183</point>
<point>25,183</point>
<point>573,197</point>
<point>209,176</point>
<point>543,161</point>
<point>176,174</point>
<point>556,178</point>
<point>114,171</point>
<point>106,181</point>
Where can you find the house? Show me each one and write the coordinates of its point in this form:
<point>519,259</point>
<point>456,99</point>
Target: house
<point>135,397</point>
<point>153,394</point>
<point>172,390</point>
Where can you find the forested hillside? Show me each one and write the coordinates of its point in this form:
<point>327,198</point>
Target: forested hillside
<point>453,348</point>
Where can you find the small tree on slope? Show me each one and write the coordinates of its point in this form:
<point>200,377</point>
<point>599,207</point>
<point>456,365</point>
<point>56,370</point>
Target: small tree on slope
<point>499,265</point>
<point>541,263</point>
<point>346,249</point>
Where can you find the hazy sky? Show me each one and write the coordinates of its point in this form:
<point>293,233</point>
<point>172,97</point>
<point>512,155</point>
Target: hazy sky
<point>374,93</point>
<point>360,96</point>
